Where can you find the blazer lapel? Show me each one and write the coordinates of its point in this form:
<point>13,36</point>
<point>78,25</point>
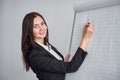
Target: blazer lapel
<point>41,48</point>
<point>57,52</point>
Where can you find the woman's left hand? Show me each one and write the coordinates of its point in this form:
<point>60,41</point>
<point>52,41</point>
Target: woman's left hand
<point>66,58</point>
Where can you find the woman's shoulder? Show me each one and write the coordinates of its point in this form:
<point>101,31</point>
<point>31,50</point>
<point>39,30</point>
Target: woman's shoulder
<point>37,51</point>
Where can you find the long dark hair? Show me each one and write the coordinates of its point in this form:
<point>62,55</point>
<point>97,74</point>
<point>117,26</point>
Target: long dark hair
<point>27,42</point>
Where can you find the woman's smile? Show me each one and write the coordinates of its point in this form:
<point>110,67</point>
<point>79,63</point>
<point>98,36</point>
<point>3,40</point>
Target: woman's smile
<point>42,32</point>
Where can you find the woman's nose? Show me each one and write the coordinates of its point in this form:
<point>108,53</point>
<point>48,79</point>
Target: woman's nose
<point>40,28</point>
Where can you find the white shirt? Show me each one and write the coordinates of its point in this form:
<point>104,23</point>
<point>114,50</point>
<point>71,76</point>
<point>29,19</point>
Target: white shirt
<point>50,51</point>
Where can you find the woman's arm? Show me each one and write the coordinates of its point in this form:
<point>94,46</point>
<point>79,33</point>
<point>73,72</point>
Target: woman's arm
<point>40,60</point>
<point>87,34</point>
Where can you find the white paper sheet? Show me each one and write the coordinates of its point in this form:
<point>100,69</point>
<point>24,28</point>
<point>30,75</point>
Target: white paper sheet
<point>103,59</point>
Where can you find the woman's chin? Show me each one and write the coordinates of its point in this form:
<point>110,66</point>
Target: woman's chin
<point>42,37</point>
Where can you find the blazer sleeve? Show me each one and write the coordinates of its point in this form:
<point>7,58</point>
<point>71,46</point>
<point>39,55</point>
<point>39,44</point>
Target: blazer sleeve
<point>40,61</point>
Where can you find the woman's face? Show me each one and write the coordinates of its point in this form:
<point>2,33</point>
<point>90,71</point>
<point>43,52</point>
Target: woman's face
<point>39,28</point>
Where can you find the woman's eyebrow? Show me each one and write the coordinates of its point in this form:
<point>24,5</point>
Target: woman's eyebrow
<point>35,24</point>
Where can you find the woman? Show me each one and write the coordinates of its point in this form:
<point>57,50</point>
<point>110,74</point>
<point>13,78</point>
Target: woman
<point>43,58</point>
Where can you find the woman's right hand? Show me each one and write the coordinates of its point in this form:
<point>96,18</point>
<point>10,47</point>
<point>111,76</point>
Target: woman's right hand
<point>87,34</point>
<point>88,30</point>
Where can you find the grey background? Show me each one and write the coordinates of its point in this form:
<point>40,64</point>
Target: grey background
<point>59,16</point>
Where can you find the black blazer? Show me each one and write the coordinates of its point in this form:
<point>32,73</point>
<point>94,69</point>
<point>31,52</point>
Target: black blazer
<point>47,67</point>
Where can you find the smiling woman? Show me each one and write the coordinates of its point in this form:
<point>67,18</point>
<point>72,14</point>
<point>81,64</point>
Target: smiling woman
<point>39,29</point>
<point>43,58</point>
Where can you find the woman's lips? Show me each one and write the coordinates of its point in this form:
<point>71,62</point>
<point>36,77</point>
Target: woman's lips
<point>42,33</point>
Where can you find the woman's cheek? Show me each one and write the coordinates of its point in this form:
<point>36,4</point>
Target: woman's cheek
<point>45,29</point>
<point>35,33</point>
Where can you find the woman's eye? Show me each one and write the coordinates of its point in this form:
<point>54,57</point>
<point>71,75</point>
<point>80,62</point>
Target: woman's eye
<point>35,27</point>
<point>42,23</point>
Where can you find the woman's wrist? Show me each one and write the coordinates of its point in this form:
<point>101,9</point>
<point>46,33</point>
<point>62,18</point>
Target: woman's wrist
<point>84,43</point>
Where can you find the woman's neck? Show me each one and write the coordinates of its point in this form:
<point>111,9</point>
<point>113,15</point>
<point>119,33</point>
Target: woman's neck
<point>40,41</point>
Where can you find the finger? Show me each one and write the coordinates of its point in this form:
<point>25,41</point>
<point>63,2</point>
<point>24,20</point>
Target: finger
<point>88,24</point>
<point>68,55</point>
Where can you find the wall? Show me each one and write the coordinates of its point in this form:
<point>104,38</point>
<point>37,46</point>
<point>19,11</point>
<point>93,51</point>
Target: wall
<point>59,16</point>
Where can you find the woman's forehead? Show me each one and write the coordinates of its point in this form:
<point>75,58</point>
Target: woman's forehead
<point>37,20</point>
